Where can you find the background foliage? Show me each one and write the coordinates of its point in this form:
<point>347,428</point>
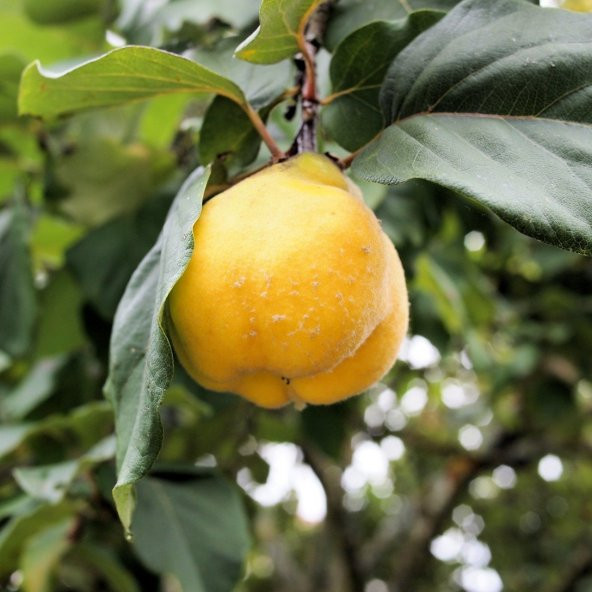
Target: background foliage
<point>467,468</point>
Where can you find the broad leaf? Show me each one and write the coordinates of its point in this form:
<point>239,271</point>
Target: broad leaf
<point>120,76</point>
<point>192,526</point>
<point>18,307</point>
<point>280,32</point>
<point>493,103</point>
<point>51,482</point>
<point>349,15</point>
<point>141,362</point>
<point>358,68</point>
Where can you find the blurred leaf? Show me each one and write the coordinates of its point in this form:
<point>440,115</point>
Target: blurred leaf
<point>325,426</point>
<point>52,12</point>
<point>18,307</point>
<point>148,23</point>
<point>192,526</point>
<point>282,22</point>
<point>41,555</point>
<point>117,77</point>
<point>60,327</point>
<point>50,483</point>
<point>463,120</point>
<point>122,242</point>
<point>36,387</point>
<point>358,68</point>
<point>19,530</point>
<point>50,238</point>
<point>87,423</point>
<point>107,565</point>
<point>262,84</point>
<point>350,15</point>
<point>22,37</point>
<point>141,361</point>
<point>102,178</point>
<point>11,67</point>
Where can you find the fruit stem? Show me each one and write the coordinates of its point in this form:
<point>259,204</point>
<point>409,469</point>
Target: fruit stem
<point>276,153</point>
<point>309,42</point>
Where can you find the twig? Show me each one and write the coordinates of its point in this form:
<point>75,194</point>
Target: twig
<point>261,128</point>
<point>337,517</point>
<point>309,40</point>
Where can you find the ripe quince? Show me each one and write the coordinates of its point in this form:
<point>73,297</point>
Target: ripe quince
<point>293,292</point>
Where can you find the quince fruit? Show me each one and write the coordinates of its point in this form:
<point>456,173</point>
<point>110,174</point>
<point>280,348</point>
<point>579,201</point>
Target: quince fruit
<point>293,292</point>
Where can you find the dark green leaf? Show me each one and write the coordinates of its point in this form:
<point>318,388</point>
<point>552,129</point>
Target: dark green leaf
<point>358,68</point>
<point>493,102</point>
<point>141,363</point>
<point>50,12</point>
<point>18,307</point>
<point>122,244</point>
<point>349,15</point>
<point>120,76</point>
<point>277,38</point>
<point>228,132</point>
<point>194,528</point>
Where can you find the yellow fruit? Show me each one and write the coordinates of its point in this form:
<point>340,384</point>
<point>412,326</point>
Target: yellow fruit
<point>293,292</point>
<point>577,5</point>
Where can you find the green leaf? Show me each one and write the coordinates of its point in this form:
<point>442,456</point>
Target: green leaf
<point>51,12</point>
<point>349,15</point>
<point>493,103</point>
<point>117,77</point>
<point>86,424</point>
<point>19,530</point>
<point>18,308</point>
<point>11,67</point>
<point>282,23</point>
<point>50,483</point>
<point>141,361</point>
<point>149,23</point>
<point>41,556</point>
<point>227,131</point>
<point>36,387</point>
<point>192,526</point>
<point>358,68</point>
<point>106,564</point>
<point>122,242</point>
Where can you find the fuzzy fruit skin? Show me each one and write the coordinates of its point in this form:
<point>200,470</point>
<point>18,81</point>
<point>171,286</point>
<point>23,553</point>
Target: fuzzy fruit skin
<point>293,292</point>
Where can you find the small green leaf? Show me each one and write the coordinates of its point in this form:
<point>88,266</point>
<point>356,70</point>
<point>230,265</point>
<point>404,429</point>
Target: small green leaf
<point>358,68</point>
<point>117,77</point>
<point>277,38</point>
<point>18,306</point>
<point>193,526</point>
<point>493,103</point>
<point>141,362</point>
